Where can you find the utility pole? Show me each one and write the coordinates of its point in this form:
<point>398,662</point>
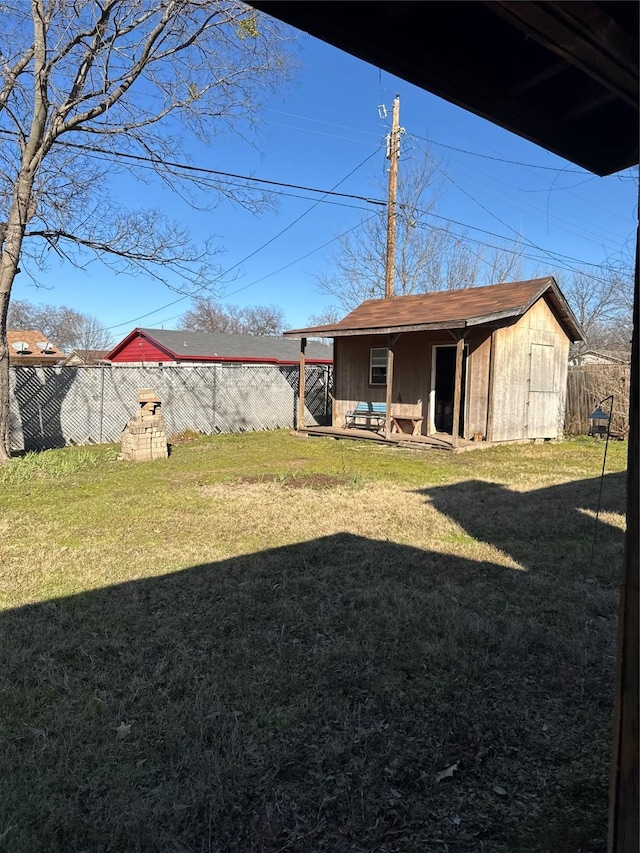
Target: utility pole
<point>393,154</point>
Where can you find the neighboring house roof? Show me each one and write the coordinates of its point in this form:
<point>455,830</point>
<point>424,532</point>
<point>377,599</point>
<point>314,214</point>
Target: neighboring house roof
<point>86,356</point>
<point>451,309</point>
<point>223,347</point>
<point>31,347</point>
<point>591,356</point>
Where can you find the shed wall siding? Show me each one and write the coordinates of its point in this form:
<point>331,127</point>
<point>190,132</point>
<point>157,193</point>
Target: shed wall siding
<point>411,376</point>
<point>529,384</point>
<point>477,391</point>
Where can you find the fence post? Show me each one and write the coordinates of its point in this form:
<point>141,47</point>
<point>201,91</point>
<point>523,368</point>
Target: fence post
<point>214,399</point>
<point>101,402</point>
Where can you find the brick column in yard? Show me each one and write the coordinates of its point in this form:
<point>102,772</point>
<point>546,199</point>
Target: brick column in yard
<point>145,435</point>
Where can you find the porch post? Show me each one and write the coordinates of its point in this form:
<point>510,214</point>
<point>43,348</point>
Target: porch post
<point>387,423</point>
<point>303,346</point>
<point>457,391</point>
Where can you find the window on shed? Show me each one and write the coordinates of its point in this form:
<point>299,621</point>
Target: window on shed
<point>378,366</point>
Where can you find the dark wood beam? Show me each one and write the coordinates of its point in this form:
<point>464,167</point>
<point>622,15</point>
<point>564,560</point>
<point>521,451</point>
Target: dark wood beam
<point>583,34</point>
<point>589,105</point>
<point>542,76</point>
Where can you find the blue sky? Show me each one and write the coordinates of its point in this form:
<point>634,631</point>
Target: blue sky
<point>315,133</point>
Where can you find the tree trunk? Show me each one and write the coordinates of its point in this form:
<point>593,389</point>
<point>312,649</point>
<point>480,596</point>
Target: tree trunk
<point>22,210</point>
<point>5,438</point>
<point>9,259</point>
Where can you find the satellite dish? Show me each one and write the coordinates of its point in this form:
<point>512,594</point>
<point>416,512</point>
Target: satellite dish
<point>21,347</point>
<point>45,346</point>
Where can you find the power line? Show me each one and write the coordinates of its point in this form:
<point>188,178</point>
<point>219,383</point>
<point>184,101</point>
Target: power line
<point>186,167</point>
<point>286,266</point>
<point>500,159</point>
<point>580,227</point>
<point>431,142</point>
<point>547,252</point>
<point>251,254</point>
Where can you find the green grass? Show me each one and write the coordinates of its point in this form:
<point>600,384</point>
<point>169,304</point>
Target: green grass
<point>300,635</point>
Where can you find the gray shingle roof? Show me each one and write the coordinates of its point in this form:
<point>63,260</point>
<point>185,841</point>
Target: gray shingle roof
<point>193,345</point>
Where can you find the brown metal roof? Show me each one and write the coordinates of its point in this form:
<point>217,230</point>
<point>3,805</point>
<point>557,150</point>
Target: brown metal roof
<point>450,309</point>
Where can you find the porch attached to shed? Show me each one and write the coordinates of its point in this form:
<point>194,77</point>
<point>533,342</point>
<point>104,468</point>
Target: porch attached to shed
<point>485,364</point>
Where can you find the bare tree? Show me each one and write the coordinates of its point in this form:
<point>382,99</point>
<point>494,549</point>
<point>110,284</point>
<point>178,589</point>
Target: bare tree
<point>65,327</point>
<point>430,255</point>
<point>327,317</point>
<point>601,300</point>
<point>91,335</point>
<point>90,88</point>
<point>267,320</point>
<point>207,315</point>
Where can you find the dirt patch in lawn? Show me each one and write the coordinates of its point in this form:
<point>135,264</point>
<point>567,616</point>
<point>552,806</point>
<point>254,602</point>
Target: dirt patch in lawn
<point>305,481</point>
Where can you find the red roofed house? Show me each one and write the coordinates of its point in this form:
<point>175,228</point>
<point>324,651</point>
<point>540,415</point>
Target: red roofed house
<point>164,346</point>
<point>483,363</point>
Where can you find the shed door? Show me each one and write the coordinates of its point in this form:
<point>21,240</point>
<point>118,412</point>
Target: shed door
<point>544,400</point>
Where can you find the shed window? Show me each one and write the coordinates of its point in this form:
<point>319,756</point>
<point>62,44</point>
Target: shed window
<point>378,366</point>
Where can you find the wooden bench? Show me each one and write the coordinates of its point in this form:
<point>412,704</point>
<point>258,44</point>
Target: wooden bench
<point>374,415</point>
<point>398,423</point>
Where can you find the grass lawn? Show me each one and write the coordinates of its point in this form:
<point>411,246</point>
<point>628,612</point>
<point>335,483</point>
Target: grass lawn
<point>272,644</point>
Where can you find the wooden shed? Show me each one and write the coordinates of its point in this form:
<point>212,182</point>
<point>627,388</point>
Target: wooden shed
<point>484,364</point>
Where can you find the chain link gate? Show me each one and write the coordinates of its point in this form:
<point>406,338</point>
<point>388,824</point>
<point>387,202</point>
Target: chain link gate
<point>56,406</point>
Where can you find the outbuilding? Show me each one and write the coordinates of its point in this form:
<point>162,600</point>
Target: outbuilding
<point>486,363</point>
<point>170,346</point>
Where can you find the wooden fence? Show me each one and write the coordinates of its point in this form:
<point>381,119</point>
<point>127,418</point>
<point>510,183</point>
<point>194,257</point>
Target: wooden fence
<point>587,385</point>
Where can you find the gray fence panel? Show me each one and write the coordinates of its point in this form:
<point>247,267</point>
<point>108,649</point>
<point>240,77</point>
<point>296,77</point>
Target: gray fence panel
<point>54,406</point>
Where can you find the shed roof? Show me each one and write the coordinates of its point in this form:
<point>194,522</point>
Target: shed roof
<point>221,346</point>
<point>451,309</point>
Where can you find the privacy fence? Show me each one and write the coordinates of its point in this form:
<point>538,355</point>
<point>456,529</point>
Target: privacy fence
<point>587,386</point>
<point>56,406</point>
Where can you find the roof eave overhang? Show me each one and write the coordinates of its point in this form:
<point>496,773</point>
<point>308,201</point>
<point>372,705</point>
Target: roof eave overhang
<point>234,359</point>
<point>374,330</point>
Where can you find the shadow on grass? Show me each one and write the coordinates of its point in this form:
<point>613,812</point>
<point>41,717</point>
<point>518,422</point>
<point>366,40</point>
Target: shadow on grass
<point>304,699</point>
<point>545,530</point>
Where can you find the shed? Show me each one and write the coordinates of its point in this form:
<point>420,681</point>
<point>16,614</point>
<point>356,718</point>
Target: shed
<point>166,346</point>
<point>488,363</point>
